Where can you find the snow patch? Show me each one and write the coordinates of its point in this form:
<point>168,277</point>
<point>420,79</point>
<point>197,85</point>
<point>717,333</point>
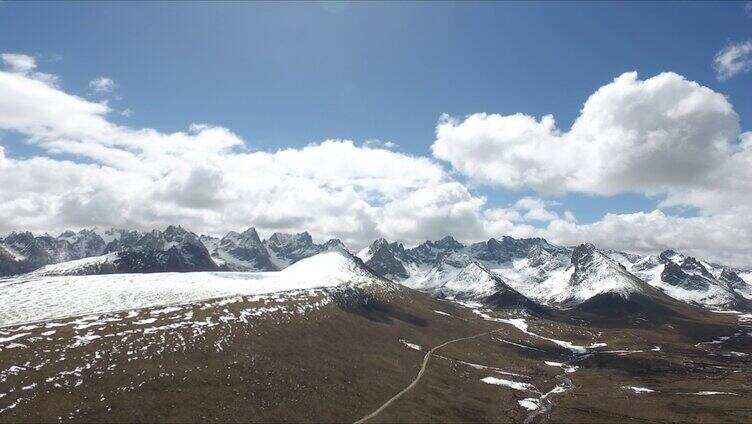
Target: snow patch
<point>410,345</point>
<point>24,300</point>
<point>638,389</point>
<point>508,383</point>
<point>567,368</point>
<point>531,404</point>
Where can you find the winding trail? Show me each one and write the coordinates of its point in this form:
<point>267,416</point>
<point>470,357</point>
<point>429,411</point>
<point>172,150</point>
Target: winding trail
<point>420,374</point>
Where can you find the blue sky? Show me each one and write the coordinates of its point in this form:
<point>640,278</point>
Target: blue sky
<point>287,75</point>
<point>284,75</point>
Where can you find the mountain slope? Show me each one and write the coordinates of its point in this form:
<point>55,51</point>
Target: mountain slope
<point>327,341</point>
<point>174,250</point>
<point>692,281</point>
<point>247,252</point>
<point>45,296</point>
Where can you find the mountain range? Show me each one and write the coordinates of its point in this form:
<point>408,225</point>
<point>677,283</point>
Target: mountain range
<point>506,330</point>
<point>506,271</point>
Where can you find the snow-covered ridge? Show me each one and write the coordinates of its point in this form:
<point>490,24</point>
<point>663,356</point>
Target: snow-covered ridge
<point>587,274</point>
<point>30,299</point>
<point>75,267</point>
<point>550,274</point>
<point>688,279</point>
<point>539,270</point>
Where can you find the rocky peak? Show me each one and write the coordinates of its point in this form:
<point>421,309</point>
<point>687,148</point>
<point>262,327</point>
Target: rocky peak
<point>174,231</point>
<point>583,254</point>
<point>667,256</point>
<point>300,239</point>
<point>230,239</point>
<point>177,234</point>
<point>381,259</point>
<point>492,243</point>
<point>691,264</point>
<point>520,248</point>
<point>457,260</point>
<point>732,279</point>
<point>248,238</point>
<point>19,238</point>
<point>334,244</point>
<point>447,243</point>
<point>379,244</point>
<point>674,274</point>
<point>67,235</point>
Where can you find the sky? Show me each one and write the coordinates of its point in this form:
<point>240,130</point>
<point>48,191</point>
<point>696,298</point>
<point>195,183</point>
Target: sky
<point>624,124</point>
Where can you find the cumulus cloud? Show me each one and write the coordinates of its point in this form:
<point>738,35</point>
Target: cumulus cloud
<point>25,65</point>
<point>102,85</point>
<point>663,136</point>
<point>733,60</point>
<point>210,180</point>
<point>631,135</point>
<point>18,62</point>
<point>724,238</point>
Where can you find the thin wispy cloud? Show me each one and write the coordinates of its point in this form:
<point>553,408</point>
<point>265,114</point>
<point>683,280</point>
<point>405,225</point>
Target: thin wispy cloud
<point>732,60</point>
<point>102,85</point>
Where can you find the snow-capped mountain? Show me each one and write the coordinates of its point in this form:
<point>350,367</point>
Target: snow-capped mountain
<point>448,269</point>
<point>286,249</point>
<point>247,252</point>
<point>531,267</point>
<point>594,273</point>
<point>554,275</point>
<point>458,276</point>
<point>382,256</point>
<point>104,251</point>
<point>689,279</point>
<point>22,251</point>
<point>240,251</point>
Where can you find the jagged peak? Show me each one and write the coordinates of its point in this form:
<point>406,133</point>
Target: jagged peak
<point>378,243</point>
<point>335,243</point>
<point>492,242</point>
<point>448,242</point>
<point>16,234</point>
<point>283,238</point>
<point>174,229</point>
<point>583,252</point>
<point>231,235</point>
<point>250,235</point>
<point>668,255</point>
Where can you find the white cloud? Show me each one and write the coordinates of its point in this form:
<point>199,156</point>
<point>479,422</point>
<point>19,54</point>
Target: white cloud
<point>18,62</point>
<point>725,238</point>
<point>631,135</point>
<point>733,60</point>
<point>664,136</point>
<point>379,143</point>
<point>127,113</point>
<point>208,179</point>
<point>24,65</point>
<point>534,209</point>
<point>102,85</point>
